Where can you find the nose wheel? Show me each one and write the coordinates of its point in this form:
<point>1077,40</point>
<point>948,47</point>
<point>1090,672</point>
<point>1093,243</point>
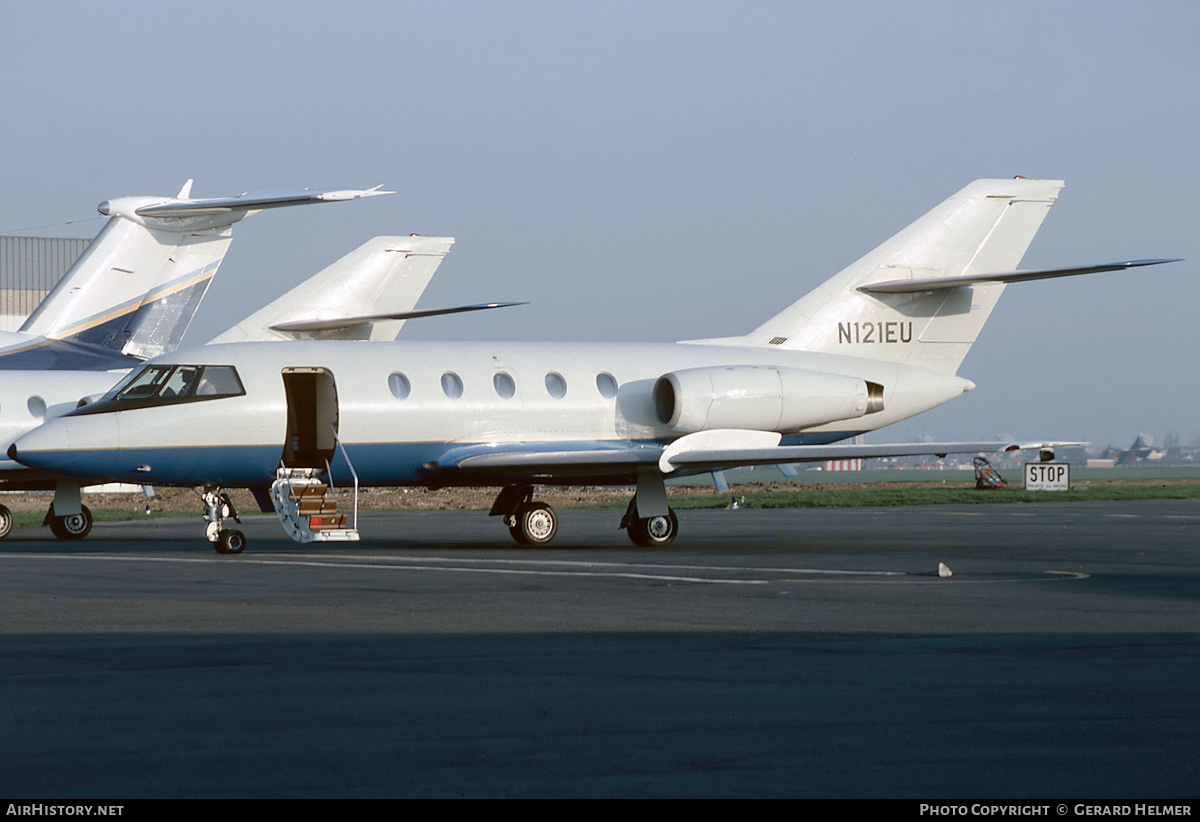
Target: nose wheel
<point>230,541</point>
<point>69,526</point>
<point>218,507</point>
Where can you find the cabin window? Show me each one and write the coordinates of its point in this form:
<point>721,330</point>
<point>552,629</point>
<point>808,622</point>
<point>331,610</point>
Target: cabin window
<point>556,386</point>
<point>606,384</point>
<point>399,385</point>
<point>505,386</point>
<point>452,385</point>
<point>36,406</point>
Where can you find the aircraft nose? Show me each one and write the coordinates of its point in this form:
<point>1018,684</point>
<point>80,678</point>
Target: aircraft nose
<point>82,447</point>
<point>35,449</point>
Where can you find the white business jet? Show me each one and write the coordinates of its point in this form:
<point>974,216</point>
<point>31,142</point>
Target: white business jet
<point>876,344</point>
<point>130,296</point>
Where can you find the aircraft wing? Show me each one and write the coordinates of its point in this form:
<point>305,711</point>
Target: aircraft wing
<point>696,453</point>
<point>935,283</point>
<point>710,459</point>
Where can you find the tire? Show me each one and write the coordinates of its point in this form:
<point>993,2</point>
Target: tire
<point>6,521</point>
<point>72,526</point>
<point>230,541</point>
<point>654,532</point>
<point>535,524</point>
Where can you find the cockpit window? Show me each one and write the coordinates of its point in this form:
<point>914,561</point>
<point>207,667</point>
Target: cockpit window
<point>180,382</point>
<point>140,383</point>
<point>219,381</point>
<point>166,384</point>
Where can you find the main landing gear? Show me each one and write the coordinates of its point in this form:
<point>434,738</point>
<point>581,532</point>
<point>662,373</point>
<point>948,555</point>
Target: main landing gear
<point>532,522</point>
<point>217,508</point>
<point>529,522</point>
<point>649,532</point>
<point>69,526</point>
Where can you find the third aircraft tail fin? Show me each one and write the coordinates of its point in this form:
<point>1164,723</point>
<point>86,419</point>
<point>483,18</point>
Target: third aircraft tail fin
<point>134,290</point>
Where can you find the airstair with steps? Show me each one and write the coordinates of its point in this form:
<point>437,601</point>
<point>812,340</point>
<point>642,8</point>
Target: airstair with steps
<point>307,506</point>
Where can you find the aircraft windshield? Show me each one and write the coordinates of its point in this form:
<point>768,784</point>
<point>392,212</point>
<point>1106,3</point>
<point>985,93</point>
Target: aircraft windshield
<point>165,384</point>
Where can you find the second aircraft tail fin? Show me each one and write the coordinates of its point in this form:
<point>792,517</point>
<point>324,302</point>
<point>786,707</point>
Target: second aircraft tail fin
<point>347,300</point>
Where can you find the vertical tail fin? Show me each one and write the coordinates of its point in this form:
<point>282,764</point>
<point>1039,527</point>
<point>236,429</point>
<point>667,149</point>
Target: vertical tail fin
<point>984,228</point>
<point>385,274</point>
<point>133,290</point>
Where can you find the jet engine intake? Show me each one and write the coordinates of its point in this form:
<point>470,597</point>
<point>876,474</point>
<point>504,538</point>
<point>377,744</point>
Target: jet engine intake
<point>760,398</point>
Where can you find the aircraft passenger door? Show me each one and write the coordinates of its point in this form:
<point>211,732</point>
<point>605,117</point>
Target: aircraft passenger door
<point>312,417</point>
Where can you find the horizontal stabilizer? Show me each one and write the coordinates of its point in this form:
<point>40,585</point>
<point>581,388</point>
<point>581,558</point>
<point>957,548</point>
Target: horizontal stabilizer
<point>184,214</point>
<point>914,286</point>
<point>335,324</point>
<point>256,201</point>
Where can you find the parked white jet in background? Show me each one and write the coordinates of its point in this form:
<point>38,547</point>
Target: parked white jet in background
<point>879,342</point>
<point>131,295</point>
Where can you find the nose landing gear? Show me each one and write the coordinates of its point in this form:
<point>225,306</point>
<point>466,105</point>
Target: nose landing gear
<point>217,508</point>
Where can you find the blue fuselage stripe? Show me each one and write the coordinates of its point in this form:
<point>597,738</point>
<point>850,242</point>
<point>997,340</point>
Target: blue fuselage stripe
<point>377,464</point>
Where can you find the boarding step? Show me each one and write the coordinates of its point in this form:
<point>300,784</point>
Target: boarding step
<point>307,508</point>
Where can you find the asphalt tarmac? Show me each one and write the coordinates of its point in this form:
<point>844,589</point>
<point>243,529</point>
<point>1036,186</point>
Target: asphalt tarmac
<point>791,653</point>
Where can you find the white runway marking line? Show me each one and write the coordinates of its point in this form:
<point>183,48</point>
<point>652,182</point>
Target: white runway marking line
<point>447,564</point>
<point>592,564</point>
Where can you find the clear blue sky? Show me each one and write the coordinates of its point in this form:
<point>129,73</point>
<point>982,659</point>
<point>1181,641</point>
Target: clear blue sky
<point>657,170</point>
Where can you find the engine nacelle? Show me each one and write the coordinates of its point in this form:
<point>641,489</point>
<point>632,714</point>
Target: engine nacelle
<point>760,398</point>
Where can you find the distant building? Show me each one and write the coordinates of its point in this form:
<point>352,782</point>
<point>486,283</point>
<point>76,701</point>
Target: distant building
<point>29,268</point>
<point>1143,450</point>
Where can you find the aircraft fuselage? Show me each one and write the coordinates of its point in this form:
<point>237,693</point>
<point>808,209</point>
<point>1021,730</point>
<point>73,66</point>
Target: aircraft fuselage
<point>407,413</point>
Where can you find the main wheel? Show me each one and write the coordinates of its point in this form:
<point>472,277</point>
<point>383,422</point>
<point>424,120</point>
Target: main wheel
<point>71,526</point>
<point>535,523</point>
<point>654,532</point>
<point>230,541</point>
<point>6,522</point>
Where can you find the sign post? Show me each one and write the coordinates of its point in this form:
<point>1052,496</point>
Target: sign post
<point>1047,476</point>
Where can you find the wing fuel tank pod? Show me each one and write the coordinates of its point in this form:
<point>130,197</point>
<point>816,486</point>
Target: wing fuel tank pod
<point>760,398</point>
